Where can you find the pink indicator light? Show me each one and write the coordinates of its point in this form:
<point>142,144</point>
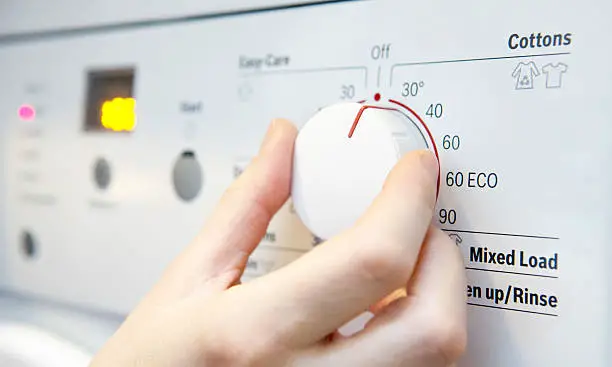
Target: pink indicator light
<point>26,112</point>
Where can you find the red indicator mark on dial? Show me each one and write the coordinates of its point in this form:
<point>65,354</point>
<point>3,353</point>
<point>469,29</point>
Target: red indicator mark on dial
<point>360,113</point>
<point>377,97</point>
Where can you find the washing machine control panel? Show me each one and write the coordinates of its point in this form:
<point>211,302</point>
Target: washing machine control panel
<point>119,142</point>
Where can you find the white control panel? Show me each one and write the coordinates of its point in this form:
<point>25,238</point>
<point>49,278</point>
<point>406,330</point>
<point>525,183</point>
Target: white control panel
<point>119,143</point>
<point>25,16</point>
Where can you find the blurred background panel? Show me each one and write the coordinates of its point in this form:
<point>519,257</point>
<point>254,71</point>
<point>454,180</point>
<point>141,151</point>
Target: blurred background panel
<point>24,16</point>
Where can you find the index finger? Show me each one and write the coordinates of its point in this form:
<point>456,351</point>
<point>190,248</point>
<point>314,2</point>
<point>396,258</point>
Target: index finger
<point>344,276</point>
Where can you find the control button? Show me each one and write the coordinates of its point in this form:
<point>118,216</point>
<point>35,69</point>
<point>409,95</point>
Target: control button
<point>187,176</point>
<point>342,158</point>
<point>102,174</point>
<point>28,244</point>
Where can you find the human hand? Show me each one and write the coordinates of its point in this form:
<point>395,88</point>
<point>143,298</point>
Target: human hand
<point>200,315</point>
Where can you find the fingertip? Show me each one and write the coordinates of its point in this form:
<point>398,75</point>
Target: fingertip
<point>272,165</point>
<point>289,130</point>
<point>413,181</point>
<point>429,162</point>
<point>279,129</point>
<point>269,172</point>
<point>284,124</point>
<point>422,161</point>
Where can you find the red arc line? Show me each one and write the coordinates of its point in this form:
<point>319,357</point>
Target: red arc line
<point>360,113</point>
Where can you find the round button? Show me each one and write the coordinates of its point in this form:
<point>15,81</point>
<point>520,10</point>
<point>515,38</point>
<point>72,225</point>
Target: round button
<point>342,157</point>
<point>102,173</point>
<point>187,176</point>
<point>28,244</point>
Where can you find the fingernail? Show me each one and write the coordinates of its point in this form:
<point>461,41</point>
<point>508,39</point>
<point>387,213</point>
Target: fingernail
<point>430,163</point>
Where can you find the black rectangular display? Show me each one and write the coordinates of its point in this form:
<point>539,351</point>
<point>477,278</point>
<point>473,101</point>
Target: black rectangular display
<point>111,106</point>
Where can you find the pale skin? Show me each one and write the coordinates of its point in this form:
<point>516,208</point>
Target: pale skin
<point>199,314</point>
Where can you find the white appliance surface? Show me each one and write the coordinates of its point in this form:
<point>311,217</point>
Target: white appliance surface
<point>3,197</point>
<point>43,334</point>
<point>24,16</point>
<point>516,95</point>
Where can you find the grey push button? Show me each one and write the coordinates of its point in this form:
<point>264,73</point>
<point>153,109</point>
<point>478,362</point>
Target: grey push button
<point>102,174</point>
<point>28,244</point>
<point>187,176</point>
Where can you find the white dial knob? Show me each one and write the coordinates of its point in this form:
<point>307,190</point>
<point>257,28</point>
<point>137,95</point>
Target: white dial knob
<point>342,157</point>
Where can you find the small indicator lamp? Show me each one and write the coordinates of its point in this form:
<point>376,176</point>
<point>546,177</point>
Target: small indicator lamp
<point>119,114</point>
<point>26,112</point>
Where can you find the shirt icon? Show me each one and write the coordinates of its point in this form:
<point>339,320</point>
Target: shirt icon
<point>554,74</point>
<point>524,73</point>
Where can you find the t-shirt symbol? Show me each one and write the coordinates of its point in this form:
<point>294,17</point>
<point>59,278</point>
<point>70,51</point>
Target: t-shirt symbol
<point>524,73</point>
<point>554,74</point>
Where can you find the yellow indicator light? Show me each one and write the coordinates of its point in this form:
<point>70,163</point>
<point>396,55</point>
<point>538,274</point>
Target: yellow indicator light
<point>119,114</point>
